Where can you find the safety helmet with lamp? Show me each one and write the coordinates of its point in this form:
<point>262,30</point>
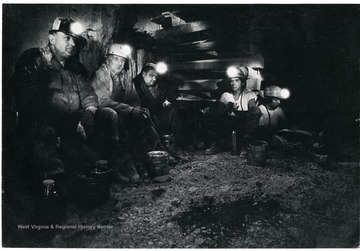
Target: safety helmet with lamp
<point>237,72</point>
<point>67,26</point>
<point>121,50</point>
<point>276,92</point>
<point>160,67</point>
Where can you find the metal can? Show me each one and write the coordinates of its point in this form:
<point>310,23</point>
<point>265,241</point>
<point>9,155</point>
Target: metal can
<point>159,162</point>
<point>168,142</point>
<point>234,143</point>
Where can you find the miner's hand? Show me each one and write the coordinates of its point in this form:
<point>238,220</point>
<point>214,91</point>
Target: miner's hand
<point>230,106</point>
<point>140,113</point>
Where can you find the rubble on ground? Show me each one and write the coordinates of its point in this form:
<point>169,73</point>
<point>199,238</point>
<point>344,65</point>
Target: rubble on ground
<point>220,201</point>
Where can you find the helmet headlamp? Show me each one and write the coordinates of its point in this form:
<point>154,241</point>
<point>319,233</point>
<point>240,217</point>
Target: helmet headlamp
<point>121,50</point>
<point>67,26</point>
<point>276,92</point>
<point>160,67</point>
<point>237,72</point>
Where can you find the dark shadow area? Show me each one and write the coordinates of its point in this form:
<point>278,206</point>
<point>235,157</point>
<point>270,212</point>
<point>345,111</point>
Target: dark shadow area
<point>313,50</point>
<point>219,223</point>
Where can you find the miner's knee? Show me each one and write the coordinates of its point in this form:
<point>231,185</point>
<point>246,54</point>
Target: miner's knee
<point>106,114</point>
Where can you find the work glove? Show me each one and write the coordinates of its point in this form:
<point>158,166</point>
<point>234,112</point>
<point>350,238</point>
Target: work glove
<point>87,122</point>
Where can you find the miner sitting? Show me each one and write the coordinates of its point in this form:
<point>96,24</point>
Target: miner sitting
<point>115,90</point>
<point>57,105</point>
<point>271,114</point>
<point>152,97</point>
<point>231,112</point>
<point>272,121</point>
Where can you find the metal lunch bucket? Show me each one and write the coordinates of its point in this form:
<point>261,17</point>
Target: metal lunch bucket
<point>92,187</point>
<point>257,152</point>
<point>159,163</point>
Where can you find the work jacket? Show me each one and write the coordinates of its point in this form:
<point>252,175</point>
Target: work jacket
<point>269,118</point>
<point>152,100</point>
<point>57,95</point>
<point>115,91</point>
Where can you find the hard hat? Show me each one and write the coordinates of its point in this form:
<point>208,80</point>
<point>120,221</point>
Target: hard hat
<point>160,67</point>
<point>277,92</point>
<point>151,65</point>
<point>68,26</point>
<point>121,50</point>
<point>237,72</point>
<point>273,91</point>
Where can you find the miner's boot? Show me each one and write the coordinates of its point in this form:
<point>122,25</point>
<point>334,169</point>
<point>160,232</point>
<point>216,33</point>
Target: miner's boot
<point>129,170</point>
<point>123,167</point>
<point>125,171</point>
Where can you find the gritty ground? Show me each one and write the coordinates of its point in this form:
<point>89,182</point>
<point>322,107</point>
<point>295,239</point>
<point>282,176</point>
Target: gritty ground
<point>216,201</point>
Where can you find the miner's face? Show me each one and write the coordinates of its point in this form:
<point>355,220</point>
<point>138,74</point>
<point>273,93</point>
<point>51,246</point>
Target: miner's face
<point>63,44</point>
<point>116,63</point>
<point>275,103</point>
<point>235,84</point>
<point>150,77</point>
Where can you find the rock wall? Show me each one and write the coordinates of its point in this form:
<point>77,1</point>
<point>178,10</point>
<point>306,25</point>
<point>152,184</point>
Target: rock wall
<point>27,26</point>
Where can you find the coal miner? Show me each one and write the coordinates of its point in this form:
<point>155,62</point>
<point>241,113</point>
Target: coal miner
<point>158,100</point>
<point>271,114</point>
<point>115,90</point>
<point>57,106</point>
<point>272,128</point>
<point>152,97</point>
<point>272,121</point>
<point>232,111</point>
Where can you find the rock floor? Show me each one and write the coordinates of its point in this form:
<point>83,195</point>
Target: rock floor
<point>216,201</point>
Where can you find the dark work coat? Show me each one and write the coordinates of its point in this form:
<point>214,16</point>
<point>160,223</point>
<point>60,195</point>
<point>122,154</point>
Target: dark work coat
<point>116,92</point>
<point>148,100</point>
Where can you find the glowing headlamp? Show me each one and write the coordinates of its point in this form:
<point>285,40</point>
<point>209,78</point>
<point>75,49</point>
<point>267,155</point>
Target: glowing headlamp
<point>276,92</point>
<point>76,28</point>
<point>126,49</point>
<point>161,68</point>
<point>232,72</point>
<point>237,72</point>
<point>67,26</point>
<point>285,93</point>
